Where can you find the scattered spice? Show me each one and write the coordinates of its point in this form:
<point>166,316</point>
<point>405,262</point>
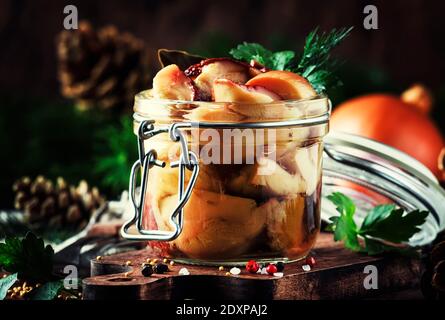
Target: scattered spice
<point>306,267</point>
<point>184,272</point>
<point>160,268</point>
<point>19,291</point>
<point>235,271</point>
<point>271,269</point>
<point>252,266</point>
<point>310,260</point>
<point>147,270</point>
<point>280,266</point>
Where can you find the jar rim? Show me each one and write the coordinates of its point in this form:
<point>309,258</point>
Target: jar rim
<point>163,110</point>
<point>146,95</point>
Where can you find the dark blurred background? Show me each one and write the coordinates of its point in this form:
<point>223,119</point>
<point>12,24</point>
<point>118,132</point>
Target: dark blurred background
<point>44,133</point>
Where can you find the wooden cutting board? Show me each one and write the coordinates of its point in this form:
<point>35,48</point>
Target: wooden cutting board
<point>338,274</point>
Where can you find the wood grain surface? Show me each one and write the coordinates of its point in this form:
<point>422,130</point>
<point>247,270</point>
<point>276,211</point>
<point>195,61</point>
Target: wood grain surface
<point>338,274</point>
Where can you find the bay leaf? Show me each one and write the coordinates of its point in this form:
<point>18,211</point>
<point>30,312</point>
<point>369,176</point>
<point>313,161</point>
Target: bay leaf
<point>182,59</point>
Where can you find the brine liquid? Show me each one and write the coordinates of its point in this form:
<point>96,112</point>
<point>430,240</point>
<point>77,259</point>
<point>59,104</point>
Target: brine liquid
<point>224,228</point>
<point>238,212</point>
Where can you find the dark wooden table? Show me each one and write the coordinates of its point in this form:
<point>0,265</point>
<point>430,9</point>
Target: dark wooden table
<point>338,274</point>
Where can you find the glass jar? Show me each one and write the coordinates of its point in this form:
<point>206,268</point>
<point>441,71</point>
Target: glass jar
<point>372,173</point>
<point>223,183</point>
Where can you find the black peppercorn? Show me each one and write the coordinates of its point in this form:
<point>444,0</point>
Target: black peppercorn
<point>160,268</point>
<point>147,270</point>
<point>280,266</point>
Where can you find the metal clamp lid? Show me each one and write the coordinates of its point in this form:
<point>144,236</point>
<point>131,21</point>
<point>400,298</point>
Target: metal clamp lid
<point>347,159</point>
<point>187,161</point>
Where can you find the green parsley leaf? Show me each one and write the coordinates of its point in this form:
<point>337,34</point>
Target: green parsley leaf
<point>10,254</point>
<point>395,226</point>
<point>48,291</point>
<point>6,283</point>
<point>345,231</point>
<point>28,257</point>
<point>374,247</point>
<point>281,59</point>
<point>378,213</point>
<point>345,206</point>
<point>384,223</point>
<point>344,226</point>
<point>315,63</point>
<point>252,51</point>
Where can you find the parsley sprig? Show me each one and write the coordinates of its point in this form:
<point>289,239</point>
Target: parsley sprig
<point>315,63</point>
<point>254,51</point>
<point>383,224</point>
<point>29,257</point>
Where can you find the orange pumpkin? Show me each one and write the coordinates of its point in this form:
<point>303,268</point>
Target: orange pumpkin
<point>402,123</point>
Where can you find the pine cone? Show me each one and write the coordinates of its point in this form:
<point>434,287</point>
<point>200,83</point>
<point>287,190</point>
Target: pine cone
<point>61,205</point>
<point>103,68</point>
